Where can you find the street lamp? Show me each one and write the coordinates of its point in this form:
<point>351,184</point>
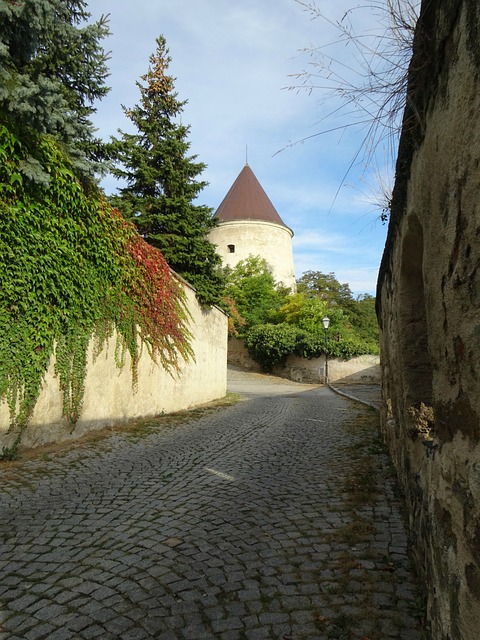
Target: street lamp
<point>326,323</point>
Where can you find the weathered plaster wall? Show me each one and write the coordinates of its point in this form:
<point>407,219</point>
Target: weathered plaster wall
<point>271,241</point>
<point>429,303</point>
<point>109,396</point>
<point>360,370</point>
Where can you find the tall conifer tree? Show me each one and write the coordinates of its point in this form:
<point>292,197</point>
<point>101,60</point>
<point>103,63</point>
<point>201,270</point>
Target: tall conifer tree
<point>162,181</point>
<point>52,69</point>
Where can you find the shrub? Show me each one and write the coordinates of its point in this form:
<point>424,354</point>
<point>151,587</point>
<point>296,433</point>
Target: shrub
<point>252,289</point>
<point>310,345</point>
<point>270,344</point>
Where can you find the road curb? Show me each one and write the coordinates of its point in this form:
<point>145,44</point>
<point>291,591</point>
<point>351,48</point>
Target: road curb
<point>352,397</point>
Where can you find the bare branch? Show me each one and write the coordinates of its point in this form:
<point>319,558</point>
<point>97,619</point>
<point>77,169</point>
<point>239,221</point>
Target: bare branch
<point>364,73</point>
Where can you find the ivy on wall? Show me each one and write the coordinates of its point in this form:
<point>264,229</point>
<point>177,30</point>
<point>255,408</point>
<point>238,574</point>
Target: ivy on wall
<point>71,268</point>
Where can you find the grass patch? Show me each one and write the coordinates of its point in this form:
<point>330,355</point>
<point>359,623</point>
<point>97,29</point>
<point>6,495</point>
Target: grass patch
<point>364,453</point>
<point>354,532</point>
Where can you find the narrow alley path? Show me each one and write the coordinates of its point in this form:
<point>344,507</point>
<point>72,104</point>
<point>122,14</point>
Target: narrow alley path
<point>275,518</point>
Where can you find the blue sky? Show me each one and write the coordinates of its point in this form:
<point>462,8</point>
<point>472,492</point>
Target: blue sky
<point>234,62</point>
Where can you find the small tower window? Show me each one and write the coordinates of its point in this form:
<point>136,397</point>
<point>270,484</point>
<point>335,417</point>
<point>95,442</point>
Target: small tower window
<point>231,248</point>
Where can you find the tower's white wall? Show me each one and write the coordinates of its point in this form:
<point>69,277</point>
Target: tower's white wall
<point>271,241</point>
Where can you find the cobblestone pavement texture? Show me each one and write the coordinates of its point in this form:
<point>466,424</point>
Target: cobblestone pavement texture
<point>231,526</point>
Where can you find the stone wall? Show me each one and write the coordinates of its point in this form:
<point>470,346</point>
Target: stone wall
<point>360,370</point>
<point>110,398</point>
<point>428,305</point>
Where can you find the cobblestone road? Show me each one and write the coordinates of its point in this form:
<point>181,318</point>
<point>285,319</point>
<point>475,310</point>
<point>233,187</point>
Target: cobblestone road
<point>275,518</point>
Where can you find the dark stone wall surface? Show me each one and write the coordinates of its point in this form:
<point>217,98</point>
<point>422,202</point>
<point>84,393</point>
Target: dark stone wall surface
<point>428,303</point>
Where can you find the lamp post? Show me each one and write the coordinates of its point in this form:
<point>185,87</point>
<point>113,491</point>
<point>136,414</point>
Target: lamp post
<point>326,323</point>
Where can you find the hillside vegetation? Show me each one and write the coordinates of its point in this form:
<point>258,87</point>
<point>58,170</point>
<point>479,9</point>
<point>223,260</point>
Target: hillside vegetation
<point>276,323</point>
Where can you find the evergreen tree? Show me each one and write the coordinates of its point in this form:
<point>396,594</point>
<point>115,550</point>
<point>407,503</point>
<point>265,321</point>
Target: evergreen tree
<point>161,181</point>
<point>52,69</point>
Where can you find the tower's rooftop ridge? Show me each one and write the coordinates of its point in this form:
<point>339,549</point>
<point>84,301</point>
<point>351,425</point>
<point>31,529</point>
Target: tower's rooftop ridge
<point>247,200</point>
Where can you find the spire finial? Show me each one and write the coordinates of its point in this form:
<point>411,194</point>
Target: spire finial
<point>246,154</point>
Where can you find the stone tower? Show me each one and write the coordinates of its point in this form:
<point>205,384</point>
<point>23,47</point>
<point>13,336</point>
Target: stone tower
<point>250,225</point>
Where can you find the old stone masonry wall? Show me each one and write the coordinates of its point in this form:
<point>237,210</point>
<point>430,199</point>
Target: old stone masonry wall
<point>428,306</point>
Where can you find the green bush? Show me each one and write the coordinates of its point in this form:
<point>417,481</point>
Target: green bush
<point>253,294</point>
<point>310,345</point>
<point>270,344</point>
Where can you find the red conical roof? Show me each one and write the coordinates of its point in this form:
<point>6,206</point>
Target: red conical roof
<point>246,200</point>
